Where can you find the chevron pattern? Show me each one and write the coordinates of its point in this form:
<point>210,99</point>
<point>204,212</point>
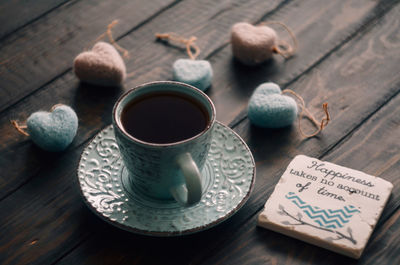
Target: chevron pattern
<point>327,218</point>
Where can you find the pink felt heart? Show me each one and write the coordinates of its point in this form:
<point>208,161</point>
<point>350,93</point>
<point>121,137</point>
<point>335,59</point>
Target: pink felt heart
<point>252,44</point>
<point>101,66</point>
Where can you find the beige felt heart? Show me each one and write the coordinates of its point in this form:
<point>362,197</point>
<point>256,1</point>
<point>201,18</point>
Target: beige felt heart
<point>101,66</point>
<point>252,44</point>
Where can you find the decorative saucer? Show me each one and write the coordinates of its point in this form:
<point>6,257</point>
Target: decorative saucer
<point>228,178</point>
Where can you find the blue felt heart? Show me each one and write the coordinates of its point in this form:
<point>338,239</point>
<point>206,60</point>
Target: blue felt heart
<point>197,73</point>
<point>268,108</point>
<point>53,131</point>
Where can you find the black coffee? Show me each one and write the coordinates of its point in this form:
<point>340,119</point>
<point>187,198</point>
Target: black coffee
<point>164,117</point>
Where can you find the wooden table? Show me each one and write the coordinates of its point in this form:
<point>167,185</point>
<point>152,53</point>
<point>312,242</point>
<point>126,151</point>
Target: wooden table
<point>348,56</point>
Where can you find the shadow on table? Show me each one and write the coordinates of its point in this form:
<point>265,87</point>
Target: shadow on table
<point>111,245</point>
<point>293,251</point>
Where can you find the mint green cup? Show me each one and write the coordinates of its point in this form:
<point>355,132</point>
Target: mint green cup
<point>165,171</point>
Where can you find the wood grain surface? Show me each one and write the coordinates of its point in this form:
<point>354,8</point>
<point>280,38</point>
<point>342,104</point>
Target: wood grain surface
<point>348,56</point>
<point>17,14</point>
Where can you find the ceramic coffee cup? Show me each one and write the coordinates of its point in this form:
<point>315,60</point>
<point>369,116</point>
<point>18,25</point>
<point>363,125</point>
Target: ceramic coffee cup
<point>165,170</point>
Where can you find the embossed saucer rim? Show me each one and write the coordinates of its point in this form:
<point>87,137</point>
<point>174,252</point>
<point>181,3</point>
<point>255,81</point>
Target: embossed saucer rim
<point>185,231</point>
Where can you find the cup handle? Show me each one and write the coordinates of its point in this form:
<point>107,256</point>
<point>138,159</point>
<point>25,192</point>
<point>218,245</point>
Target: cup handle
<point>190,193</point>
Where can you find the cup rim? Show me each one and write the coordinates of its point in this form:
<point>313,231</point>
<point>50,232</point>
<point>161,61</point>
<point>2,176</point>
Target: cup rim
<point>118,124</point>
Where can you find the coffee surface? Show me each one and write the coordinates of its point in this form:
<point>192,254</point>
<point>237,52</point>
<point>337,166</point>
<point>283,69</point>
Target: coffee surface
<point>164,117</point>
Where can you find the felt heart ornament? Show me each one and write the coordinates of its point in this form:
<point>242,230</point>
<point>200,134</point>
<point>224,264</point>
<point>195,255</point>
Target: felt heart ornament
<point>53,131</point>
<point>197,73</point>
<point>101,66</point>
<point>252,45</point>
<point>268,108</point>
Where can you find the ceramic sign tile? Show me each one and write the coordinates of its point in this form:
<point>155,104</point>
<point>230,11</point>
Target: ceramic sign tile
<point>327,205</point>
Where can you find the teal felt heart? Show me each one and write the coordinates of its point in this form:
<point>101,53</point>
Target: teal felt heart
<point>268,108</point>
<point>53,131</point>
<point>197,73</point>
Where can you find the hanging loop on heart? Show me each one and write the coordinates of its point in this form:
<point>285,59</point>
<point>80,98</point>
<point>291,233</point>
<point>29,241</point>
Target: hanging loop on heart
<point>282,47</point>
<point>108,33</point>
<point>189,43</point>
<point>103,64</point>
<point>56,106</point>
<point>197,73</point>
<point>19,127</point>
<point>306,113</point>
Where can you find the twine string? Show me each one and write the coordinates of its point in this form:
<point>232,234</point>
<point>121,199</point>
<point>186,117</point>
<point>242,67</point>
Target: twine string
<point>306,113</point>
<point>20,128</point>
<point>108,33</point>
<point>189,43</point>
<point>283,48</point>
<point>55,106</point>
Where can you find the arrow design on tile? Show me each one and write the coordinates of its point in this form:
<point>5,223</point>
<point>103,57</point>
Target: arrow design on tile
<point>327,218</point>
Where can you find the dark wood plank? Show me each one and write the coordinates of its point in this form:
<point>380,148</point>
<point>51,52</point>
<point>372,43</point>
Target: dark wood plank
<point>153,62</point>
<point>28,196</point>
<point>57,37</point>
<point>92,105</point>
<point>348,80</point>
<point>320,31</point>
<point>53,46</point>
<point>22,160</point>
<point>372,148</point>
<point>16,14</point>
<point>273,150</point>
<point>384,244</point>
<point>232,84</point>
<point>65,89</point>
<point>29,243</point>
